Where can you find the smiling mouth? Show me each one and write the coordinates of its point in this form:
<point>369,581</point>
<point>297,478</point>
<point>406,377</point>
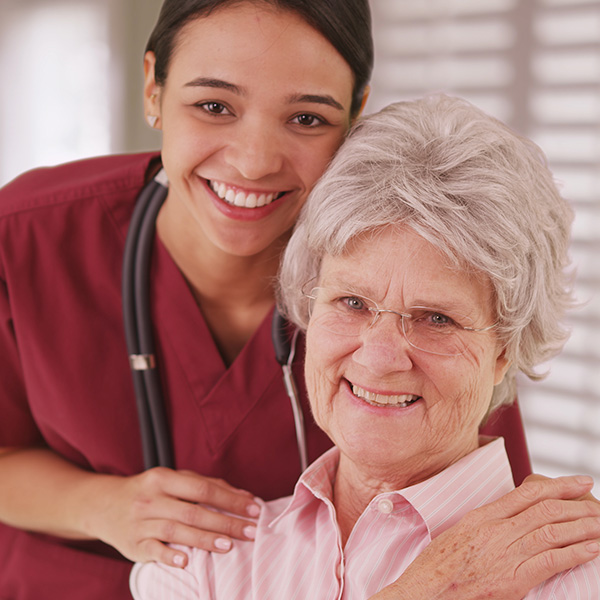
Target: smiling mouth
<point>384,400</point>
<point>242,199</point>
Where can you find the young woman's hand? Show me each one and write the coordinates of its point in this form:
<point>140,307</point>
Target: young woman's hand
<point>138,515</point>
<point>506,548</point>
<point>141,514</point>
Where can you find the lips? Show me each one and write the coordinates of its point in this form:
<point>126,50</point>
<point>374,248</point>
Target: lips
<point>243,198</point>
<point>385,400</point>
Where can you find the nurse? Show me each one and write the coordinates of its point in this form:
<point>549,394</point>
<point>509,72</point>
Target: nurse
<point>253,98</point>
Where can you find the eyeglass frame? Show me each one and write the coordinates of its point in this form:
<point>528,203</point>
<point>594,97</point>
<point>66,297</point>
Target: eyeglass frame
<point>377,312</point>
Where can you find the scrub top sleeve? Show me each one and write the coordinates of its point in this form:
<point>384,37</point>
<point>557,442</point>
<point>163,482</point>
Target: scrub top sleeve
<point>17,426</point>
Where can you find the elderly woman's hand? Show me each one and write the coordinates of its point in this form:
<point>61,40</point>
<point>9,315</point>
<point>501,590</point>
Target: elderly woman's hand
<point>504,549</point>
<point>538,477</point>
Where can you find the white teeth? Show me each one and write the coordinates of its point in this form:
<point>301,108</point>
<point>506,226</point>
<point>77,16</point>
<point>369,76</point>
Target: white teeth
<point>401,400</point>
<point>239,198</point>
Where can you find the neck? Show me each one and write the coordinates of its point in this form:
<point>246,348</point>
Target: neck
<point>353,491</point>
<point>234,293</point>
<point>357,483</point>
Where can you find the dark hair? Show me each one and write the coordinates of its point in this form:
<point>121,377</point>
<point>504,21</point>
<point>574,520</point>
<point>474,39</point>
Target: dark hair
<point>345,23</point>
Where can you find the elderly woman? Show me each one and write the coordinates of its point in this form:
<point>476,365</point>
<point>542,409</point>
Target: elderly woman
<point>428,269</point>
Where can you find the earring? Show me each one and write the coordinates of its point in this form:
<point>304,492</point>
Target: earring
<point>152,119</point>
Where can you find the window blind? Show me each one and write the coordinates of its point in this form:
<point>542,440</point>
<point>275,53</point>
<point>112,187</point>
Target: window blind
<point>535,64</point>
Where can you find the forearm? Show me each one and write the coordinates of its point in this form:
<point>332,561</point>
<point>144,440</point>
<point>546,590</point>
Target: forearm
<point>138,515</point>
<point>45,493</point>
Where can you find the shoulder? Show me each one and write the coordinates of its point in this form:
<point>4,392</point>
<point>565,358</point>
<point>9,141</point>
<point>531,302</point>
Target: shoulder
<point>75,181</point>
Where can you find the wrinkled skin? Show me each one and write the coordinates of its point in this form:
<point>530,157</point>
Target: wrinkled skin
<point>504,549</point>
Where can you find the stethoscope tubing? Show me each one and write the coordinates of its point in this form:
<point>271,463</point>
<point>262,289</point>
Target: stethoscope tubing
<point>156,444</point>
<point>285,351</point>
<point>137,318</point>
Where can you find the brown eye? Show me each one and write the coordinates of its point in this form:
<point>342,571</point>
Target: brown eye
<point>308,120</point>
<point>214,108</point>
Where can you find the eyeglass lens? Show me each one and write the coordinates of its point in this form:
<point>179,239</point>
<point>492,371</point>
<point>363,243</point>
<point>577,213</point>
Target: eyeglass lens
<point>424,328</point>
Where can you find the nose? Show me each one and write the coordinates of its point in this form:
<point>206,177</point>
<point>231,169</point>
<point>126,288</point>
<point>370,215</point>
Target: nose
<point>383,347</point>
<point>254,149</point>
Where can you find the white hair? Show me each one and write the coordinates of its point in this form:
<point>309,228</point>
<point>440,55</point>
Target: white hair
<point>466,183</point>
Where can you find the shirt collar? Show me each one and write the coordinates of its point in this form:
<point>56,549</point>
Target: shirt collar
<point>477,479</point>
<point>315,484</point>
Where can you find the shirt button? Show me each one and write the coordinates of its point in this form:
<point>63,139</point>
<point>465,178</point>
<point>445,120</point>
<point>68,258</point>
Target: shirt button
<point>385,506</point>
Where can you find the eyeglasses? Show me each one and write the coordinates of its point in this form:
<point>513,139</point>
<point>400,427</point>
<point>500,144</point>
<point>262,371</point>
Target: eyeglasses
<point>344,313</point>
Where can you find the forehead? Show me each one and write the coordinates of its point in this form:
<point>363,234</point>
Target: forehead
<point>249,35</point>
<point>398,266</point>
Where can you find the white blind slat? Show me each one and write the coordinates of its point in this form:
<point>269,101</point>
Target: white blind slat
<point>535,65</point>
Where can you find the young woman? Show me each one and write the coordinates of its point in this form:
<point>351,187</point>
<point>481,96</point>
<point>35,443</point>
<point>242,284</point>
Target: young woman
<point>253,98</point>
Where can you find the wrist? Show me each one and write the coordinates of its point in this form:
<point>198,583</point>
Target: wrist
<point>90,503</point>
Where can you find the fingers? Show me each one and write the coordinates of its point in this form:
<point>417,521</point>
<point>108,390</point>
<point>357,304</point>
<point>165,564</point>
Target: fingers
<point>560,535</point>
<point>587,496</point>
<point>175,521</point>
<point>534,490</point>
<point>195,488</point>
<point>155,551</point>
<point>547,564</point>
<point>544,519</point>
<point>187,509</point>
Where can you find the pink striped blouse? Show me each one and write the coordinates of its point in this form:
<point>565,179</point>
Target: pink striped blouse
<point>297,554</point>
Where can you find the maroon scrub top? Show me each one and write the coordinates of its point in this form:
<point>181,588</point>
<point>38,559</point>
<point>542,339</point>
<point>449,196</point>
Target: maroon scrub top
<point>65,381</point>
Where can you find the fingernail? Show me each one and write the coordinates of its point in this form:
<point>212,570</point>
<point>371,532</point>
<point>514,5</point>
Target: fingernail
<point>223,544</point>
<point>593,547</point>
<point>178,560</point>
<point>250,532</point>
<point>253,510</point>
<point>584,480</point>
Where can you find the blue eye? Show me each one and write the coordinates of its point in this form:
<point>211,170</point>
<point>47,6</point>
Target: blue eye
<point>440,319</point>
<point>353,303</point>
<point>430,318</point>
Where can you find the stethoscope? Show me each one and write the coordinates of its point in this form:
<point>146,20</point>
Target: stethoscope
<point>156,440</point>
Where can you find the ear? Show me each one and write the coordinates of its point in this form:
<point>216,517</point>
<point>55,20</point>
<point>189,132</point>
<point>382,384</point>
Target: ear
<point>152,92</point>
<point>502,366</point>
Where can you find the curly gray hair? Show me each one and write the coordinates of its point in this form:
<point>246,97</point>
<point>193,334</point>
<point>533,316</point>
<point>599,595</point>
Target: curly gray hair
<point>469,185</point>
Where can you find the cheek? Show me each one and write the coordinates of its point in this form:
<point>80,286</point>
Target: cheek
<point>478,388</point>
<point>316,157</point>
<point>463,388</point>
<point>314,368</point>
<point>323,367</point>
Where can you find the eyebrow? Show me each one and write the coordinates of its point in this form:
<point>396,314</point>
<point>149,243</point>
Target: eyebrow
<point>316,99</point>
<point>220,84</point>
<point>217,84</point>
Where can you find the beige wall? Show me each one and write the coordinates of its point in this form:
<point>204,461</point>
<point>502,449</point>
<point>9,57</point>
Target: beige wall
<point>133,21</point>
